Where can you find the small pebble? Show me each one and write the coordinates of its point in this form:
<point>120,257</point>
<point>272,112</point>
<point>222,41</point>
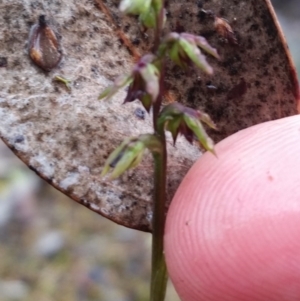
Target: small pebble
<point>140,113</point>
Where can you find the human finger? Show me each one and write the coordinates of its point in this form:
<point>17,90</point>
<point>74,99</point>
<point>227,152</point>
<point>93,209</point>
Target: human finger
<point>233,227</point>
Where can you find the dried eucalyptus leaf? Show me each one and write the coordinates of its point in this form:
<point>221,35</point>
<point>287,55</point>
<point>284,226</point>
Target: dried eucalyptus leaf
<point>66,136</point>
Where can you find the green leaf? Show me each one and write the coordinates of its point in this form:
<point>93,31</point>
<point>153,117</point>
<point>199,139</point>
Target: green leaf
<point>162,49</point>
<point>110,162</point>
<point>195,55</point>
<point>157,5</point>
<point>134,7</point>
<point>207,120</point>
<point>148,18</point>
<point>173,126</point>
<point>63,80</point>
<point>130,153</point>
<point>174,54</point>
<point>152,142</point>
<point>198,129</point>
<point>203,44</point>
<point>150,75</point>
<point>146,101</point>
<point>106,92</point>
<point>131,158</point>
<point>119,83</point>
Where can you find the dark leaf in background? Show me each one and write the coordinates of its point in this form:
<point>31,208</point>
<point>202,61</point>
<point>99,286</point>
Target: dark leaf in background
<point>68,135</point>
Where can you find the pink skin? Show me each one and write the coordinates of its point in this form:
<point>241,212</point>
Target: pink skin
<point>233,229</point>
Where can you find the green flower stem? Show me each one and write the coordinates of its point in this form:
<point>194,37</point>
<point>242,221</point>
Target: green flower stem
<point>158,28</point>
<point>158,33</point>
<point>157,104</point>
<point>159,275</point>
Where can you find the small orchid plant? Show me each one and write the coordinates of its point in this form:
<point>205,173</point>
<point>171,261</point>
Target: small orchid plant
<point>146,84</point>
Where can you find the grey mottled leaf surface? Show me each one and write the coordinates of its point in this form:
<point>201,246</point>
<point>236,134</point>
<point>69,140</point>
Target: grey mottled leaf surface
<point>65,136</point>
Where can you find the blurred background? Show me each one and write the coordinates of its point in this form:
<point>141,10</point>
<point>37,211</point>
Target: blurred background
<point>51,248</point>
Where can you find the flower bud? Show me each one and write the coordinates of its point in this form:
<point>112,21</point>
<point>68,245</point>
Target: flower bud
<point>134,7</point>
<point>179,119</point>
<point>145,83</point>
<point>130,153</point>
<point>184,50</point>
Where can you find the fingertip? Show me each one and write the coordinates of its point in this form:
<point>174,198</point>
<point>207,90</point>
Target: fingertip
<point>232,230</point>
